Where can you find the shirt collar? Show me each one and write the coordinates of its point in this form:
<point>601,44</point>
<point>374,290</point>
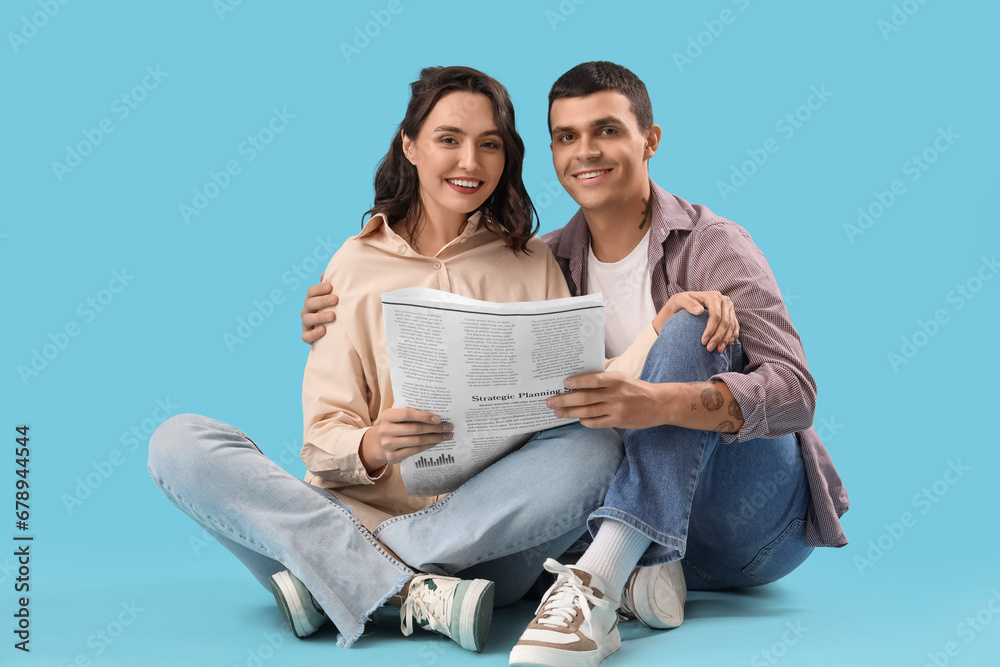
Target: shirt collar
<point>378,233</point>
<point>669,213</point>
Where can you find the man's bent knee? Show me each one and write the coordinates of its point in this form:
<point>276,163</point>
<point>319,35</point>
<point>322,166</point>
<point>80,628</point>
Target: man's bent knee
<point>678,355</point>
<point>683,327</point>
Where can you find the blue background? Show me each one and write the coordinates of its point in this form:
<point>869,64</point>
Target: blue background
<point>104,535</point>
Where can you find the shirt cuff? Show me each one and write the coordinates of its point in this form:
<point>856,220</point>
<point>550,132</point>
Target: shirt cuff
<point>343,465</point>
<point>358,465</point>
<point>380,474</point>
<point>749,395</point>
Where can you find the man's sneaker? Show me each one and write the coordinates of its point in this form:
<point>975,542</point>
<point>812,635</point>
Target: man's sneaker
<point>457,608</point>
<point>297,605</point>
<point>656,595</point>
<point>574,626</point>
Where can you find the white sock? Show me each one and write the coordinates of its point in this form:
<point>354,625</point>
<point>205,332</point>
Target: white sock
<point>616,549</point>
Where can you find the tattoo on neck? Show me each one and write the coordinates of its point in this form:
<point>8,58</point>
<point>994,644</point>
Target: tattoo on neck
<point>645,213</point>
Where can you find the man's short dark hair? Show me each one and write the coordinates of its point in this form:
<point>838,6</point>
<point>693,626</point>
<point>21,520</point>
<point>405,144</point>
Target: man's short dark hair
<point>598,75</point>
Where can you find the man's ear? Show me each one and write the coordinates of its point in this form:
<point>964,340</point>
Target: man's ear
<point>408,146</point>
<point>652,141</point>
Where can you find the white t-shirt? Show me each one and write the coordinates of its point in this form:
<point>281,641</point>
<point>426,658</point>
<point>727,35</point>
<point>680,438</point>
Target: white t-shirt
<point>628,299</point>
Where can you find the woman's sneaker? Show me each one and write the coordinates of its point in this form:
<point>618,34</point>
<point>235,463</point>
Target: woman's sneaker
<point>656,595</point>
<point>574,626</point>
<point>457,608</point>
<point>297,605</point>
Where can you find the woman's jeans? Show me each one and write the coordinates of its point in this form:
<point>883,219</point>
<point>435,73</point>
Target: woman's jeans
<point>500,525</point>
<point>735,513</point>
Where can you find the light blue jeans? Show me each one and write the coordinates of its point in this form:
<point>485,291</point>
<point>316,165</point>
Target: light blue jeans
<point>501,525</point>
<point>735,513</point>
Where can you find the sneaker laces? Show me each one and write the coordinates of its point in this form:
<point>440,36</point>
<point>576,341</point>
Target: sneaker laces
<point>560,602</point>
<point>428,604</point>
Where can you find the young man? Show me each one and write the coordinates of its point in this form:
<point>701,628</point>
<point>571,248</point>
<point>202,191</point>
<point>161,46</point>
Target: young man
<point>723,468</point>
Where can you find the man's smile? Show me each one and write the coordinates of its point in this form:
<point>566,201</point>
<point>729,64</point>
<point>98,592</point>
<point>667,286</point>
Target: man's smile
<point>592,175</point>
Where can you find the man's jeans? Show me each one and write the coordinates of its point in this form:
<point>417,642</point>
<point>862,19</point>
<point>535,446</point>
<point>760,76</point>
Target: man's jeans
<point>735,513</point>
<point>500,525</point>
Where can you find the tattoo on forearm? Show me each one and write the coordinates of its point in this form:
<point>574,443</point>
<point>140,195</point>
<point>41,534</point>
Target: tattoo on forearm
<point>711,398</point>
<point>645,213</point>
<point>734,409</point>
<point>693,407</point>
<point>726,427</point>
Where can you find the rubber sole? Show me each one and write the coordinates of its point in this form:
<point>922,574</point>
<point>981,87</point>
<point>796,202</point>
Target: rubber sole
<point>290,604</point>
<point>543,656</point>
<point>662,612</point>
<point>476,615</point>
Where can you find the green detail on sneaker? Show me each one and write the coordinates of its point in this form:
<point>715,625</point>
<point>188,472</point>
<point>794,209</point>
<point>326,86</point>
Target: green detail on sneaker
<point>460,610</point>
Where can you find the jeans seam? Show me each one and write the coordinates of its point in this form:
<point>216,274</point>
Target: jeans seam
<point>433,508</point>
<point>670,541</point>
<point>247,542</point>
<point>765,552</point>
<point>367,534</point>
<point>553,531</point>
<point>705,576</point>
<point>204,518</point>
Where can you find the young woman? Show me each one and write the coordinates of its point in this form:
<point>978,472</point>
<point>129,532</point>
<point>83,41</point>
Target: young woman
<point>450,213</point>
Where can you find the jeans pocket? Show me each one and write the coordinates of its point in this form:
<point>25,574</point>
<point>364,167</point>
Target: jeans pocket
<point>781,556</point>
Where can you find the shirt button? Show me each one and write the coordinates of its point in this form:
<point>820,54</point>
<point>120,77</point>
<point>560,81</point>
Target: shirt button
<point>437,265</point>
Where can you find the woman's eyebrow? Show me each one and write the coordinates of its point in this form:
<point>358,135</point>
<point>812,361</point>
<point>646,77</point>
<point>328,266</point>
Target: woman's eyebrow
<point>455,130</point>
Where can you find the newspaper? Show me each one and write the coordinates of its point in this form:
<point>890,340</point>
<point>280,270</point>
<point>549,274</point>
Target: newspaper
<point>487,368</point>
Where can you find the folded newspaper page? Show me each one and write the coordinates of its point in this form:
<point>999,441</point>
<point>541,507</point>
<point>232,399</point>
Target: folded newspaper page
<point>487,368</point>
